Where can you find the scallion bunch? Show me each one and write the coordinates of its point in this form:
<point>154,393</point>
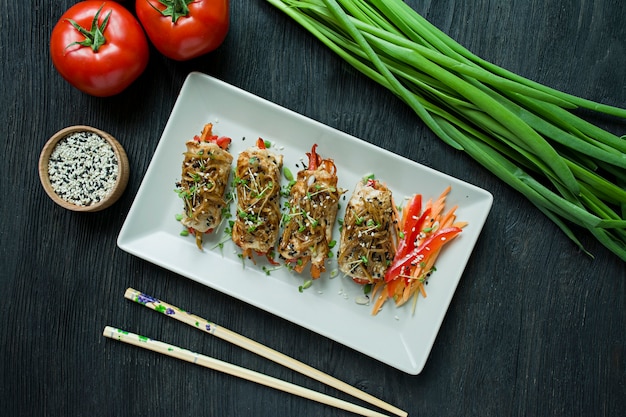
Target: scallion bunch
<point>522,131</point>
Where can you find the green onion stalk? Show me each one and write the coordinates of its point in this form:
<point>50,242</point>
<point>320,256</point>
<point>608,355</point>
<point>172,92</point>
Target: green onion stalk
<point>523,132</point>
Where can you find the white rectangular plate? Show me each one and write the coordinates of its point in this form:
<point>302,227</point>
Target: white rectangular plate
<point>395,336</point>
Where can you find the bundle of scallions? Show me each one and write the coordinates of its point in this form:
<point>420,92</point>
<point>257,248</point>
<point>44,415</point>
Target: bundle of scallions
<point>522,131</point>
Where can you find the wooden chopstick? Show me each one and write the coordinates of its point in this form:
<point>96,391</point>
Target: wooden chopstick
<point>234,370</point>
<point>255,347</point>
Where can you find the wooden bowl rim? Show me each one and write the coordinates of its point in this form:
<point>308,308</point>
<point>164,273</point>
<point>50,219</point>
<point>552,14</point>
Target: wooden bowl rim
<point>122,175</point>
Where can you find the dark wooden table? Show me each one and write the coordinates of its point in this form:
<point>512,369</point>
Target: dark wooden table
<point>535,327</point>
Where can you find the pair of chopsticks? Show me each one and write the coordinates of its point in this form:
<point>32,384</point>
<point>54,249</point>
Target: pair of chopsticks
<point>250,345</point>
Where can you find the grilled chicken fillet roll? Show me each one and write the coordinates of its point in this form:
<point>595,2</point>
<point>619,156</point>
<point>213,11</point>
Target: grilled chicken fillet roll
<point>257,184</point>
<point>367,236</point>
<point>205,171</point>
<point>310,215</point>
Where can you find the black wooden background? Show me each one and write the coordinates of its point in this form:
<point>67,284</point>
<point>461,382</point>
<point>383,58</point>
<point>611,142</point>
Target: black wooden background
<point>535,328</point>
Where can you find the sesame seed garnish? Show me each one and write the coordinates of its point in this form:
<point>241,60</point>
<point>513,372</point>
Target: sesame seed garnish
<point>82,168</point>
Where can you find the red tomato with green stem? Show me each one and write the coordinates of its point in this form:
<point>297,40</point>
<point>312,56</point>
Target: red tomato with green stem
<point>99,47</point>
<point>184,29</point>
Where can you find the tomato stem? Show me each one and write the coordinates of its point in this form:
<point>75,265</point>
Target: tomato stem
<point>94,37</point>
<point>174,8</point>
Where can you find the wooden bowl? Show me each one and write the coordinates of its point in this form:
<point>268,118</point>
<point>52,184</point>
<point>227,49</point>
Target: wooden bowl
<point>109,187</point>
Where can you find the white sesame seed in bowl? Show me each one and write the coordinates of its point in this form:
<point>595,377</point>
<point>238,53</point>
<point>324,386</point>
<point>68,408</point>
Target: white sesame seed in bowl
<point>83,169</point>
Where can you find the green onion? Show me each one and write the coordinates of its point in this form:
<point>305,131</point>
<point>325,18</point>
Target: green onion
<point>523,132</point>
<point>287,173</point>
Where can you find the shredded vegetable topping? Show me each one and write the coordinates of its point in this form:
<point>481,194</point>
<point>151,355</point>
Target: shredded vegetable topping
<point>310,215</point>
<point>205,172</point>
<point>367,235</point>
<point>520,130</point>
<point>257,184</point>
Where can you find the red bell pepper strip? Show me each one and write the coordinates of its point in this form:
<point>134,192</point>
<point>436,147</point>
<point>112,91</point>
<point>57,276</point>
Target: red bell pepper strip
<point>430,245</point>
<point>412,211</point>
<point>223,142</point>
<point>411,232</point>
<point>208,136</point>
<point>260,143</point>
<point>371,182</point>
<point>314,159</point>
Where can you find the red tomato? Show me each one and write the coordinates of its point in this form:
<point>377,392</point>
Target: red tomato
<point>99,65</point>
<point>184,29</point>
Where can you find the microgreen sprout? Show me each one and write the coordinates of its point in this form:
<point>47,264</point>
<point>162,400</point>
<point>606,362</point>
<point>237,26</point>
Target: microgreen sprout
<point>268,270</point>
<point>367,288</point>
<point>287,173</point>
<point>238,180</point>
<point>307,284</point>
<point>368,177</point>
<point>320,190</point>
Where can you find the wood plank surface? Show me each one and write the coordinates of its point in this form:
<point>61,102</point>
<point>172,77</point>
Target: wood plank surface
<point>535,328</point>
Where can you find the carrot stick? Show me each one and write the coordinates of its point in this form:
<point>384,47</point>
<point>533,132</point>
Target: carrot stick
<point>440,203</point>
<point>448,218</point>
<point>206,131</point>
<point>382,297</point>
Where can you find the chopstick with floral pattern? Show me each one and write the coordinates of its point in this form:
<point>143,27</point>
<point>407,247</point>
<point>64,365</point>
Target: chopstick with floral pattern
<point>255,347</point>
<point>234,370</point>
